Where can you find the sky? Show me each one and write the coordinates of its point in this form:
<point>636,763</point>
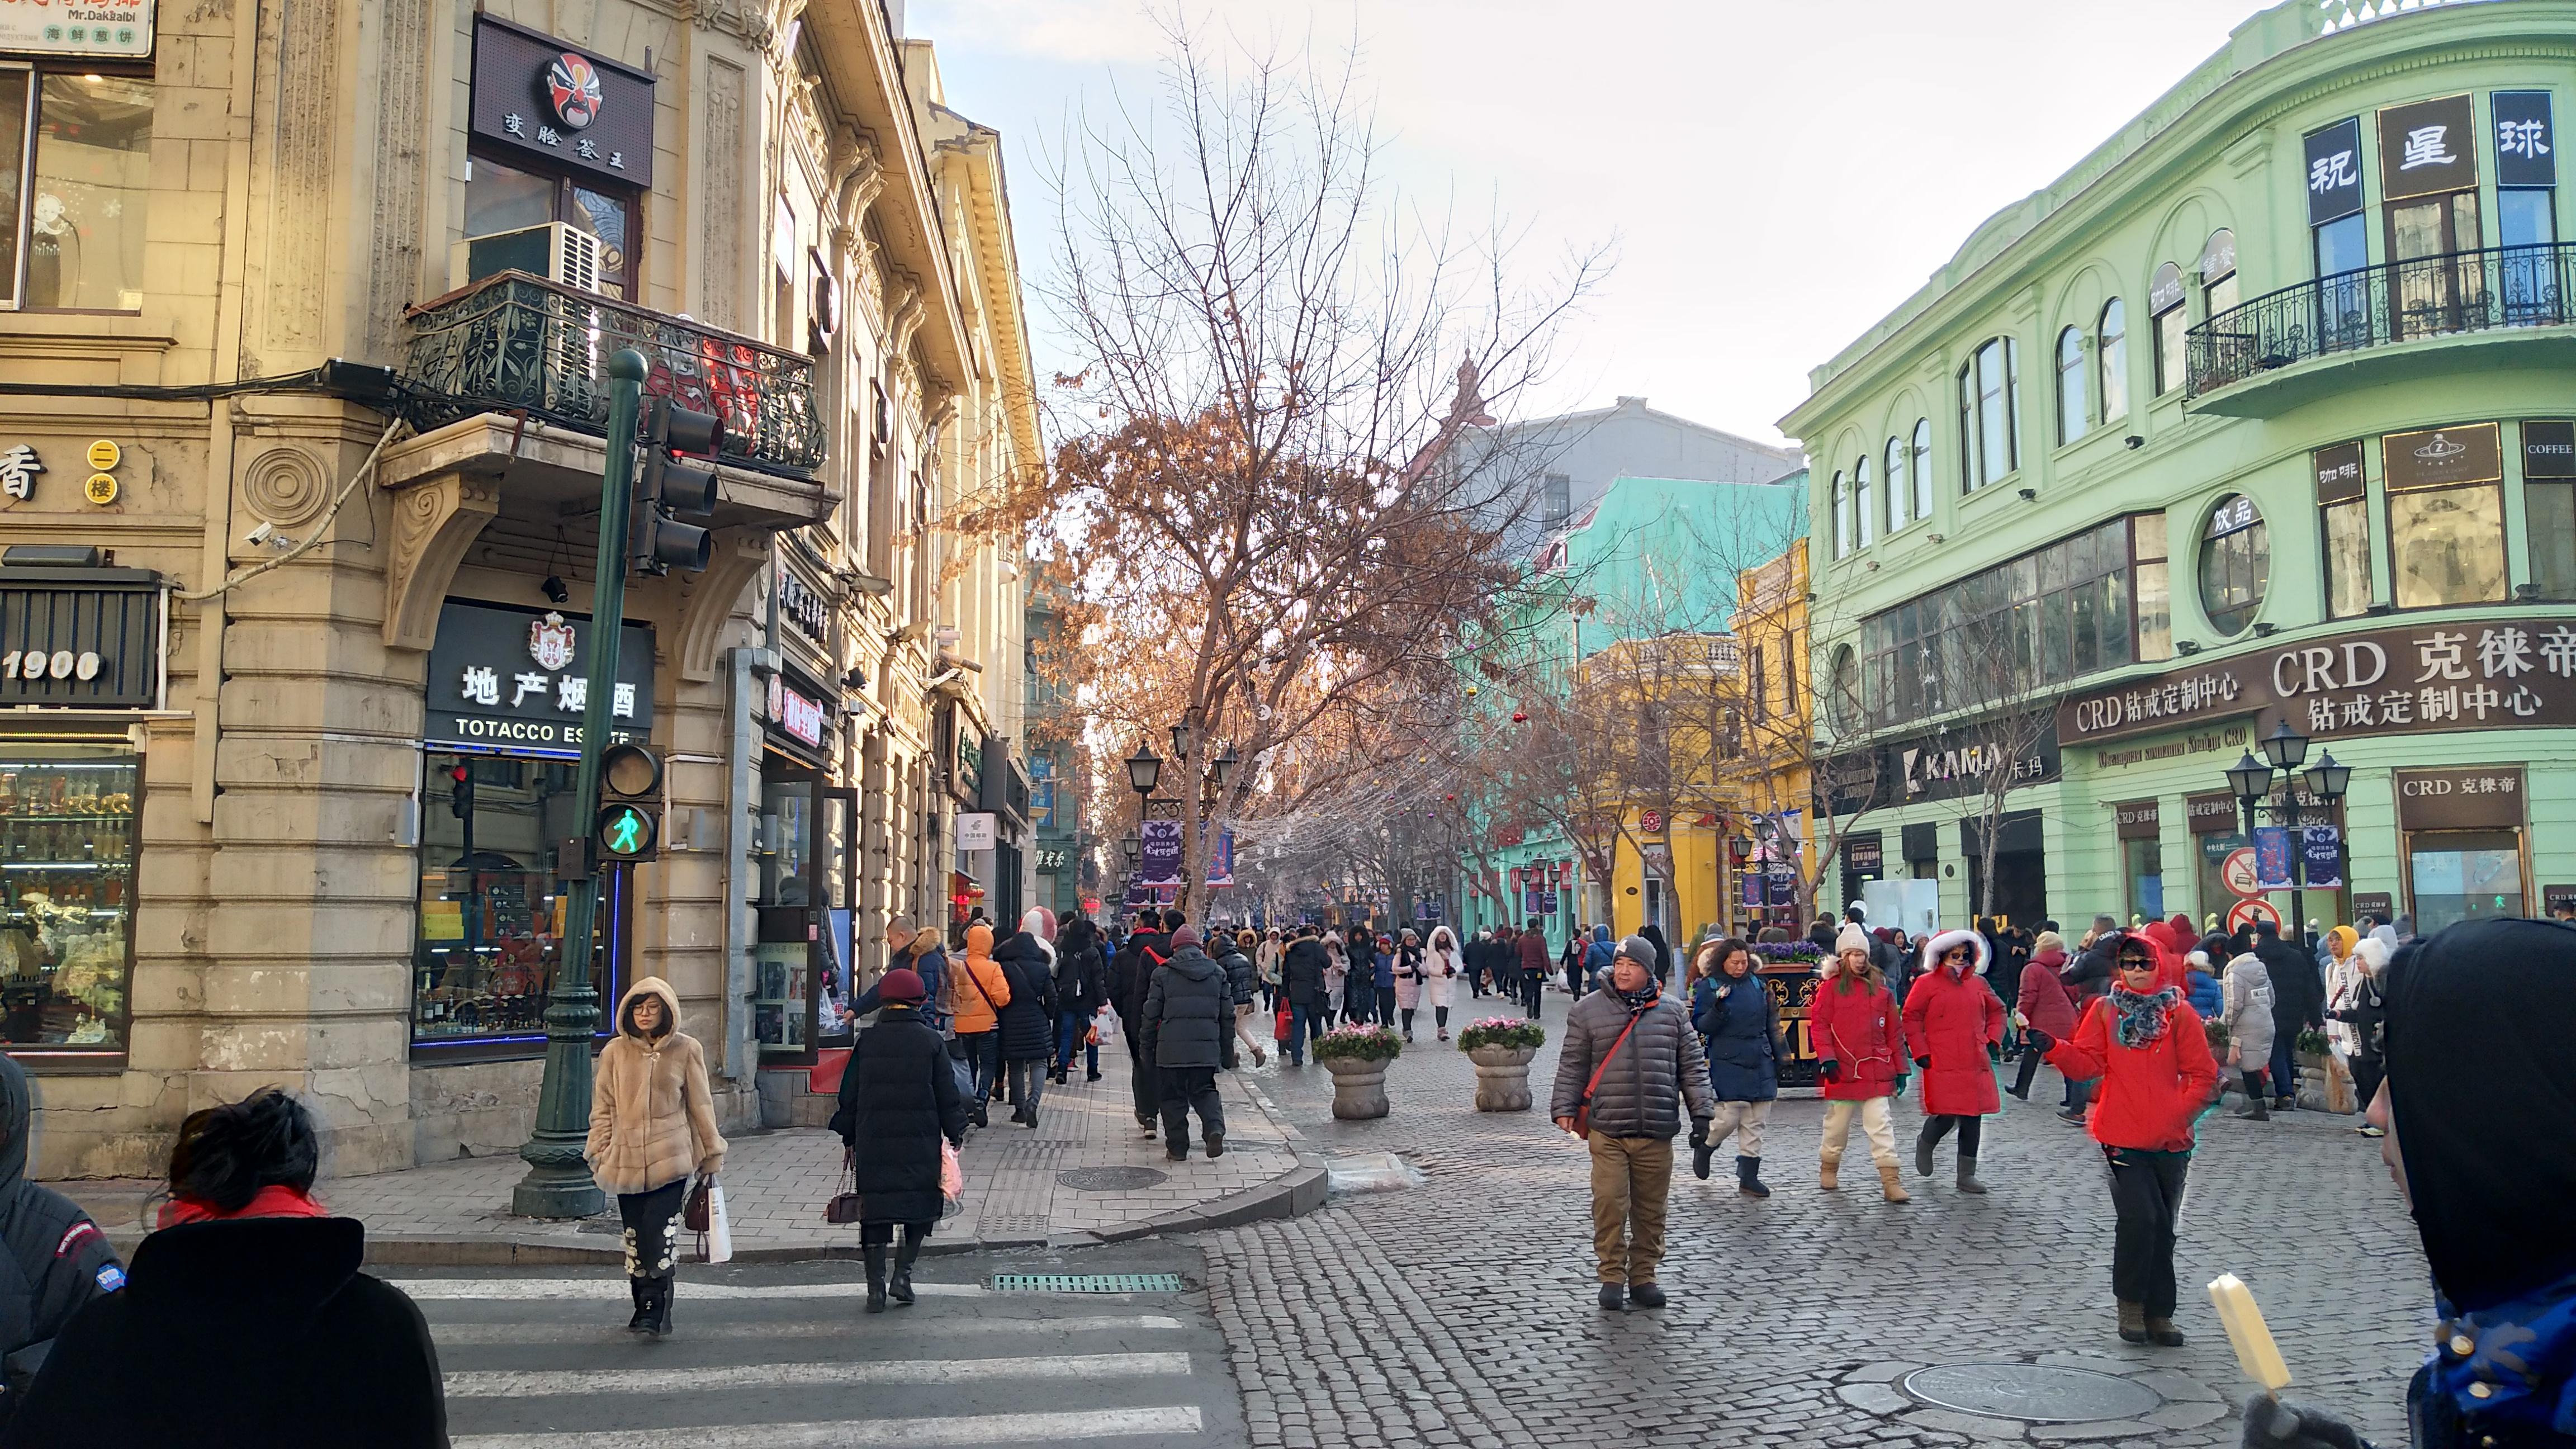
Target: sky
<point>1773,176</point>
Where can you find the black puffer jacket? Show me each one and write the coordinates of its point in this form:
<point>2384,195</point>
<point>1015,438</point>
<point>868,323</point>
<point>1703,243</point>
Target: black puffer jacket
<point>1187,1013</point>
<point>1302,972</point>
<point>53,1259</point>
<point>1028,1019</point>
<point>898,1099</point>
<point>1131,972</point>
<point>1642,1092</point>
<point>1081,975</point>
<point>1241,982</point>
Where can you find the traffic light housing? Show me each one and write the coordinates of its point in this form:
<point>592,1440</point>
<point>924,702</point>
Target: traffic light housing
<point>629,826</point>
<point>670,481</point>
<point>460,791</point>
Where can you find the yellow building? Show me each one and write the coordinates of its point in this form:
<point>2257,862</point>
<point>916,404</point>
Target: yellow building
<point>1771,767</point>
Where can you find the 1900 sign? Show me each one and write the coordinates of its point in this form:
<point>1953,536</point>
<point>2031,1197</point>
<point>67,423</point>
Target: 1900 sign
<point>2448,674</point>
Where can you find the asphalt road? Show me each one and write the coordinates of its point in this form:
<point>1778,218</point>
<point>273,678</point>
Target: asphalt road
<point>784,1357</point>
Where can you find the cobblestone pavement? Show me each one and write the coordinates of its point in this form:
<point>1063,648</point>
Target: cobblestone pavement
<point>1460,1311</point>
<point>776,1183</point>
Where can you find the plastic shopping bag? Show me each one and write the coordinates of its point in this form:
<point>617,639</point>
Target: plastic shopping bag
<point>719,1227</point>
<point>952,1179</point>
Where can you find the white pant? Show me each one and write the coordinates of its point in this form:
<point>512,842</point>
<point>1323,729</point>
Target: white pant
<point>1746,1118</point>
<point>1243,1029</point>
<point>1874,1125</point>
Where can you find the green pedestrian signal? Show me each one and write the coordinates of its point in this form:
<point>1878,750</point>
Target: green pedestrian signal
<point>625,832</point>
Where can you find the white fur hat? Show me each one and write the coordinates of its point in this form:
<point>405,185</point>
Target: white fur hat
<point>2373,953</point>
<point>1939,946</point>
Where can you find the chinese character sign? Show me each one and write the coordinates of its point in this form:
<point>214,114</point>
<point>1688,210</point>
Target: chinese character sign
<point>2427,148</point>
<point>510,676</point>
<point>580,110</point>
<point>2321,856</point>
<point>2525,154</point>
<point>1160,858</point>
<point>2334,171</point>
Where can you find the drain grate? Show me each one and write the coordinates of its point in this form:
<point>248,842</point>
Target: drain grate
<point>1086,1283</point>
<point>2037,1393</point>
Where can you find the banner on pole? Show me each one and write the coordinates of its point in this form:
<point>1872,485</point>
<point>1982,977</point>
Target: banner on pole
<point>2271,858</point>
<point>2323,857</point>
<point>1160,858</point>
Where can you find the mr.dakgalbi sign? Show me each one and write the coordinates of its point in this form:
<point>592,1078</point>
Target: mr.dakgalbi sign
<point>2449,674</point>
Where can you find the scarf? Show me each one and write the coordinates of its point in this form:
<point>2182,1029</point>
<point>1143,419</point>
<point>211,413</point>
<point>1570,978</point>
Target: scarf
<point>1640,999</point>
<point>2144,1016</point>
<point>276,1200</point>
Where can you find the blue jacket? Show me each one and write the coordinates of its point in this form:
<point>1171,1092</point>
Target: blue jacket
<point>1598,956</point>
<point>1385,971</point>
<point>1742,1029</point>
<point>2208,998</point>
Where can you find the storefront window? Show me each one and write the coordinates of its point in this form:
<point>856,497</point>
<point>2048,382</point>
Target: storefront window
<point>85,214</point>
<point>491,909</point>
<point>2155,586</point>
<point>2143,869</point>
<point>2235,564</point>
<point>2447,546</point>
<point>2464,875</point>
<point>67,847</point>
<point>2552,525</point>
<point>783,959</point>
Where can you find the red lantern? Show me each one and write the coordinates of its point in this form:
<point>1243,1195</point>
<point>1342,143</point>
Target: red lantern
<point>1520,716</point>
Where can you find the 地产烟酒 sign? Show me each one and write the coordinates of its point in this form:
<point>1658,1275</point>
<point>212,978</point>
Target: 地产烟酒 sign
<point>2447,674</point>
<point>577,109</point>
<point>94,29</point>
<point>505,677</point>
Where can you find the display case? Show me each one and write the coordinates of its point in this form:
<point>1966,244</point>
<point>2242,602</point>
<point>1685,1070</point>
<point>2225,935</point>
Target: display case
<point>67,855</point>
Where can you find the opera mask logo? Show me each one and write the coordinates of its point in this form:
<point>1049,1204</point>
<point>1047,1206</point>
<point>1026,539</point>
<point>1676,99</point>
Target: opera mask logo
<point>550,642</point>
<point>572,84</point>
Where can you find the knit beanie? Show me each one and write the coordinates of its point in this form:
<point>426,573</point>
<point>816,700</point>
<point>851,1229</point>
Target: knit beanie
<point>1852,938</point>
<point>900,986</point>
<point>1639,950</point>
<point>1185,936</point>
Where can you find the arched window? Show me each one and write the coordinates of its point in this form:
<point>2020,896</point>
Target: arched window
<point>1968,425</point>
<point>1900,489</point>
<point>2111,353</point>
<point>1864,505</point>
<point>2074,414</point>
<point>2235,564</point>
<point>1922,469</point>
<point>1989,387</point>
<point>1842,516</point>
<point>2165,306</point>
<point>2218,273</point>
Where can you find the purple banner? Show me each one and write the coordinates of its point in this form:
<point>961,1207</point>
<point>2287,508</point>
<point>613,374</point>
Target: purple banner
<point>1161,856</point>
<point>2323,857</point>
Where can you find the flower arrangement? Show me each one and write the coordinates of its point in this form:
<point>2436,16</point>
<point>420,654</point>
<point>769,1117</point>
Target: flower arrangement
<point>1501,1031</point>
<point>2313,1043</point>
<point>1357,1042</point>
<point>2218,1038</point>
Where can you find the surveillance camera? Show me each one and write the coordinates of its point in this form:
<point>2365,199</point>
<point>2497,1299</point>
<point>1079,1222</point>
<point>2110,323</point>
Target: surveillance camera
<point>261,534</point>
<point>555,591</point>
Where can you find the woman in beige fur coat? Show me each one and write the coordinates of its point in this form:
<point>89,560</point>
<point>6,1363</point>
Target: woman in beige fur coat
<point>652,1123</point>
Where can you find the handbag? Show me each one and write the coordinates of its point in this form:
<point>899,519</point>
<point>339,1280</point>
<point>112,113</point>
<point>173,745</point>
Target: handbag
<point>1285,1022</point>
<point>1583,1105</point>
<point>844,1206</point>
<point>693,1210</point>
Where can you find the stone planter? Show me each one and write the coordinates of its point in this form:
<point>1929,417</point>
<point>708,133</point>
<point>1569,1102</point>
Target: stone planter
<point>1359,1088</point>
<point>1502,1078</point>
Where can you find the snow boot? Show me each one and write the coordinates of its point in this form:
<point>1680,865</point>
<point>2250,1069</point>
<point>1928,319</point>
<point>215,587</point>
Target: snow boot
<point>1701,1155</point>
<point>899,1287</point>
<point>660,1324</point>
<point>1968,1177</point>
<point>1889,1187</point>
<point>1646,1295</point>
<point>1614,1296</point>
<point>2161,1332</point>
<point>875,1253</point>
<point>1215,1144</point>
<point>1829,1177</point>
<point>1924,1142</point>
<point>1748,1177</point>
<point>2133,1322</point>
<point>636,1287</point>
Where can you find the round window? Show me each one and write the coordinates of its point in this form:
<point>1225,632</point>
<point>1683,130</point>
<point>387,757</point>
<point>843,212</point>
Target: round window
<point>1842,690</point>
<point>2235,564</point>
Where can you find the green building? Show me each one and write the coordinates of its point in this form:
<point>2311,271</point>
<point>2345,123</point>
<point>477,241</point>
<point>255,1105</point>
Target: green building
<point>2257,419</point>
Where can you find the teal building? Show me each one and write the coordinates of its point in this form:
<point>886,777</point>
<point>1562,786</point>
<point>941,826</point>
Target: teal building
<point>2256,427</point>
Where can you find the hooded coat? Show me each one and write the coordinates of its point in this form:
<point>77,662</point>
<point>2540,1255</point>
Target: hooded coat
<point>2250,1014</point>
<point>2045,1002</point>
<point>1856,1026</point>
<point>1241,978</point>
<point>1027,965</point>
<point>2152,1094</point>
<point>652,1119</point>
<point>1188,1012</point>
<point>53,1259</point>
<point>981,990</point>
<point>1442,967</point>
<point>1081,975</point>
<point>898,1100</point>
<point>1302,973</point>
<point>1739,1025</point>
<point>242,1333</point>
<point>1951,1018</point>
<point>1598,956</point>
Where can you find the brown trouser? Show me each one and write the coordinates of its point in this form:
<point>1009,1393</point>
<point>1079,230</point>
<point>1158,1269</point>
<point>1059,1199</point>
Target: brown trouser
<point>1631,1178</point>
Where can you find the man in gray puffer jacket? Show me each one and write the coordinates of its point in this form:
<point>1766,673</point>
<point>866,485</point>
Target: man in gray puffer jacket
<point>1635,1114</point>
<point>1189,1008</point>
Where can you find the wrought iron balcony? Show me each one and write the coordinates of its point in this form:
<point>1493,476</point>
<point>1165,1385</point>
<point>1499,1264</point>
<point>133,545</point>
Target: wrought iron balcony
<point>515,343</point>
<point>2456,292</point>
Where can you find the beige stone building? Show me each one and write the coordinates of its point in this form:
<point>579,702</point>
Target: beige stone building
<point>301,432</point>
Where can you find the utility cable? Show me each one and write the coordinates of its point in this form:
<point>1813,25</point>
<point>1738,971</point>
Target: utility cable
<point>321,526</point>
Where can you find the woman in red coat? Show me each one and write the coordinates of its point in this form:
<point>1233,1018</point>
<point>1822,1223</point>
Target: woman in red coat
<point>1952,1018</point>
<point>1860,1051</point>
<point>2047,1006</point>
<point>2148,1047</point>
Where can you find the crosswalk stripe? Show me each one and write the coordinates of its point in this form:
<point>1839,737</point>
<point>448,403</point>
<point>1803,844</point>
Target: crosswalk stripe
<point>606,1290</point>
<point>463,1334</point>
<point>537,1383</point>
<point>868,1433</point>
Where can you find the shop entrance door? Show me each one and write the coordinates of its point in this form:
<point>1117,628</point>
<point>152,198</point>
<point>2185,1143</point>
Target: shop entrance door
<point>2021,870</point>
<point>2463,875</point>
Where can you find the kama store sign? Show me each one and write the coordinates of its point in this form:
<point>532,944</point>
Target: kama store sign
<point>2449,674</point>
<point>501,676</point>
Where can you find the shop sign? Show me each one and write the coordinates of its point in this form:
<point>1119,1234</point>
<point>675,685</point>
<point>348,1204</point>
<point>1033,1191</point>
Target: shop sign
<point>2338,471</point>
<point>2139,819</point>
<point>2442,457</point>
<point>970,760</point>
<point>2548,450</point>
<point>796,715</point>
<point>508,676</point>
<point>801,605</point>
<point>2525,150</point>
<point>2214,814</point>
<point>2414,679</point>
<point>577,109</point>
<point>2427,148</point>
<point>2334,171</point>
<point>2476,797</point>
<point>2555,898</point>
<point>2378,905</point>
<point>975,830</point>
<point>1938,770</point>
<point>80,638</point>
<point>1865,855</point>
<point>100,29</point>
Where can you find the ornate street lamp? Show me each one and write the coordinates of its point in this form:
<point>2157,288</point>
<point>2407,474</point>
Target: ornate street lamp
<point>1135,849</point>
<point>2285,747</point>
<point>2328,780</point>
<point>1223,765</point>
<point>1185,732</point>
<point>2251,779</point>
<point>1144,769</point>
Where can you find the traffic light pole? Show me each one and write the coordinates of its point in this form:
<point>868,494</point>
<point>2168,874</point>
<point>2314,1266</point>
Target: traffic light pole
<point>558,1184</point>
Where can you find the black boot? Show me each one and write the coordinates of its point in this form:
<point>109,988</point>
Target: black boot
<point>637,1287</point>
<point>1748,1177</point>
<point>660,1324</point>
<point>1924,1142</point>
<point>1701,1155</point>
<point>899,1287</point>
<point>875,1253</point>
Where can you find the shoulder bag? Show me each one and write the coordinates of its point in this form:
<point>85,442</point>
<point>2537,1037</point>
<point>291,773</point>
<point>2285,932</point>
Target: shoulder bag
<point>1583,1105</point>
<point>844,1206</point>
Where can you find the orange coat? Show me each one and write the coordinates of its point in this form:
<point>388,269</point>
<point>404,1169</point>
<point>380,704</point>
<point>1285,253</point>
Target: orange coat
<point>980,1010</point>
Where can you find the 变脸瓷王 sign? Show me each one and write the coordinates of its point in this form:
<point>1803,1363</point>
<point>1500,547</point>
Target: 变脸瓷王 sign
<point>500,676</point>
<point>577,109</point>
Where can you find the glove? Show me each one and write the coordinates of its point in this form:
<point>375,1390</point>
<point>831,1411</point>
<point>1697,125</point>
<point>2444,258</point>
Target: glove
<point>1699,1130</point>
<point>1924,1062</point>
<point>1994,1051</point>
<point>1830,1070</point>
<point>2040,1041</point>
<point>2270,1424</point>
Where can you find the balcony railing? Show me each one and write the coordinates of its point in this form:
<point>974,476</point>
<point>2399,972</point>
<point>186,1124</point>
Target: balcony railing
<point>518,343</point>
<point>2477,291</point>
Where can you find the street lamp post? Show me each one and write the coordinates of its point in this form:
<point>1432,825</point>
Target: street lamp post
<point>2284,751</point>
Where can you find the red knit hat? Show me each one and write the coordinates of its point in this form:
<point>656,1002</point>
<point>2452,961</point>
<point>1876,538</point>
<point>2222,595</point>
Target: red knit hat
<point>901,986</point>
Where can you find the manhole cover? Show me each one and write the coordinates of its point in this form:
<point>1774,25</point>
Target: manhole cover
<point>1110,1179</point>
<point>2036,1392</point>
<point>1087,1282</point>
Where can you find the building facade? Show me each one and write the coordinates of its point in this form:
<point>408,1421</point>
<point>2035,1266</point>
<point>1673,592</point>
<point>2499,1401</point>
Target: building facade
<point>310,308</point>
<point>2256,419</point>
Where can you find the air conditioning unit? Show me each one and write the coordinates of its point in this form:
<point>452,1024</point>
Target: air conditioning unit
<point>554,251</point>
